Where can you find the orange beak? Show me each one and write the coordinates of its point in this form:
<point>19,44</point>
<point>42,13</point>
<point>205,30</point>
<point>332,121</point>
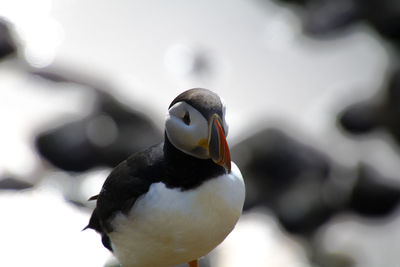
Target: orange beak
<point>218,147</point>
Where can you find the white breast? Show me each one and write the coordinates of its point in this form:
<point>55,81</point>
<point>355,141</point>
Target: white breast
<point>169,227</point>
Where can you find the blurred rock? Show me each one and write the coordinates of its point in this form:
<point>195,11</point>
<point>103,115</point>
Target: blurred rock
<point>379,112</point>
<point>288,177</point>
<point>359,118</point>
<point>383,15</point>
<point>323,17</point>
<point>326,17</point>
<point>107,136</point>
<point>7,44</point>
<point>304,187</point>
<point>11,183</point>
<point>374,195</point>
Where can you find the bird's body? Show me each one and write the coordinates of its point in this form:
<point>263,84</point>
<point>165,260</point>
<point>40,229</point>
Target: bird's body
<point>164,207</point>
<point>177,226</point>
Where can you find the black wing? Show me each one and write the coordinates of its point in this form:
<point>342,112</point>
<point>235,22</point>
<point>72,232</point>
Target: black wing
<point>128,181</point>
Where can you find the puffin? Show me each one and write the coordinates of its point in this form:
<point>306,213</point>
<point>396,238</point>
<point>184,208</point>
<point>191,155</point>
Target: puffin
<point>176,201</point>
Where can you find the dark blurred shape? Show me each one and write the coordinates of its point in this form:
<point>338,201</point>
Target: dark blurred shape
<point>10,183</point>
<point>324,17</point>
<point>326,259</point>
<point>383,15</point>
<point>372,194</point>
<point>359,118</point>
<point>304,187</point>
<point>105,138</point>
<point>288,177</point>
<point>7,44</point>
<point>380,112</point>
<point>330,16</point>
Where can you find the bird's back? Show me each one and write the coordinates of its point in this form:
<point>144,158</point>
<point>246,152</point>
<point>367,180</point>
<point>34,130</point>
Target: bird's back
<point>128,181</point>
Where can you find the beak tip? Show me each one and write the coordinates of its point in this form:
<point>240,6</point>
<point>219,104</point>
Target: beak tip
<point>228,167</point>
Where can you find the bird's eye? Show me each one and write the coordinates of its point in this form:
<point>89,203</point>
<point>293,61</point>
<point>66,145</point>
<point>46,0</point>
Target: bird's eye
<point>186,118</point>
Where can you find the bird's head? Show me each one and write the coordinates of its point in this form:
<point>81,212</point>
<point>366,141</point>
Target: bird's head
<point>196,125</point>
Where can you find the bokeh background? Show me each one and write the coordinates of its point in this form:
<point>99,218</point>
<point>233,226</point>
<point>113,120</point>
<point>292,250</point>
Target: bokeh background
<point>312,89</point>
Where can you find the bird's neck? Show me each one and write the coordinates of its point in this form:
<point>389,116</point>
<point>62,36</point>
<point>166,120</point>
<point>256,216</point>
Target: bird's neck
<point>186,171</point>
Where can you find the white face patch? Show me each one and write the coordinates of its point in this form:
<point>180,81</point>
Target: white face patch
<point>187,128</point>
